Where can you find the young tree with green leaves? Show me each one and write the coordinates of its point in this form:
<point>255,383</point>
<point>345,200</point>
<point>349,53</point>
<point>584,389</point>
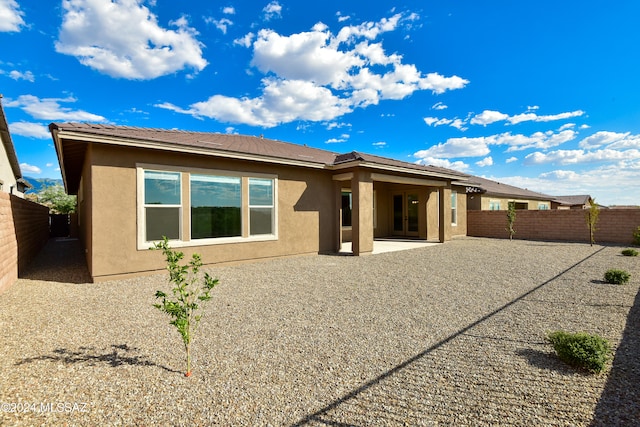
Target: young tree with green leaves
<point>592,219</point>
<point>187,303</point>
<point>511,219</point>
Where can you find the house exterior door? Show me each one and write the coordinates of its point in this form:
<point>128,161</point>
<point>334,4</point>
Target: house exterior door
<point>405,214</point>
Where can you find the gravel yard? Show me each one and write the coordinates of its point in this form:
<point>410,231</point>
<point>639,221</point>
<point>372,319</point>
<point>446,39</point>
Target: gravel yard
<point>452,334</point>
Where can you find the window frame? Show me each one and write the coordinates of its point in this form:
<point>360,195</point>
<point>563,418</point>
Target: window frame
<point>185,239</point>
<point>454,207</point>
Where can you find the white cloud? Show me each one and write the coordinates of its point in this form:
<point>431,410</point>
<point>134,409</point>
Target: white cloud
<point>488,117</point>
<point>569,157</point>
<point>439,106</point>
<point>246,40</point>
<point>10,16</point>
<point>341,17</point>
<point>318,75</point>
<point>221,24</point>
<point>27,168</point>
<point>567,126</point>
<point>511,160</point>
<point>608,184</point>
<point>229,10</point>
<point>17,75</point>
<point>272,10</point>
<point>50,109</point>
<point>527,117</point>
<point>30,130</point>
<point>487,161</point>
<point>443,163</point>
<point>479,146</point>
<point>123,39</point>
<point>379,144</point>
<point>602,138</point>
<point>456,147</point>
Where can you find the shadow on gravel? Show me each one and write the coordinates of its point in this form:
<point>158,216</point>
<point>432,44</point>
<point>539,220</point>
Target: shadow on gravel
<point>61,260</point>
<point>545,360</point>
<point>119,355</point>
<point>326,415</point>
<point>620,401</point>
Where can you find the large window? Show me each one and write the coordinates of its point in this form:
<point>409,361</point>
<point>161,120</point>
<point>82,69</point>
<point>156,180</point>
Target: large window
<point>216,203</point>
<point>261,206</point>
<point>494,205</point>
<point>195,207</point>
<point>162,205</point>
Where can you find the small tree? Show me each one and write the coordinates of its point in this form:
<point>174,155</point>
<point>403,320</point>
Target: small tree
<point>188,300</point>
<point>592,219</point>
<point>57,199</point>
<point>511,219</point>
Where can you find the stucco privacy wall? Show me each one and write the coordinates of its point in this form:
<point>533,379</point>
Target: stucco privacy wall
<point>24,229</point>
<point>305,207</point>
<point>614,225</point>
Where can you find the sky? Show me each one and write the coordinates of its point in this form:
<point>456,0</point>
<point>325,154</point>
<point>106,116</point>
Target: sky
<point>542,95</point>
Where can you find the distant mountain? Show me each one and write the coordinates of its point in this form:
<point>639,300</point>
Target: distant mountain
<point>40,183</point>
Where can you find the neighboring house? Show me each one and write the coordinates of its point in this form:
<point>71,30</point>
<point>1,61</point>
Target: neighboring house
<point>487,195</point>
<point>234,198</point>
<point>11,180</point>
<point>571,202</point>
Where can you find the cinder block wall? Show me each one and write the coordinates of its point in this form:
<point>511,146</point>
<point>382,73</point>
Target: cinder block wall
<point>24,229</point>
<point>614,225</point>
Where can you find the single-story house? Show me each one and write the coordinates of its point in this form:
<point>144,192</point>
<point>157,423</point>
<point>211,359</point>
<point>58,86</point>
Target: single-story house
<point>488,195</point>
<point>11,180</point>
<point>234,198</point>
<point>571,202</point>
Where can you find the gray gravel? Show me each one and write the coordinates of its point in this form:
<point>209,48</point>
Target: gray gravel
<point>451,334</point>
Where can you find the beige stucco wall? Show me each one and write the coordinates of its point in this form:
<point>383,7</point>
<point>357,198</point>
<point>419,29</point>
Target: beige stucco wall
<point>7,178</point>
<point>481,202</point>
<point>305,211</point>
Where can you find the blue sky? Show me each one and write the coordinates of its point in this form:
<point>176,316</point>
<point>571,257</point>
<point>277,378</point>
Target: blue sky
<point>543,95</point>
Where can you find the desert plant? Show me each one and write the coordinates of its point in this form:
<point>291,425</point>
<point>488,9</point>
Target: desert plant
<point>616,277</point>
<point>582,350</point>
<point>636,236</point>
<point>630,252</point>
<point>511,219</point>
<point>185,308</point>
<point>592,219</point>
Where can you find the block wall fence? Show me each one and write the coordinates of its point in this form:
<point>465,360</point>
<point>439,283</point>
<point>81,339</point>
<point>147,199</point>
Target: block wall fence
<point>614,225</point>
<point>24,230</point>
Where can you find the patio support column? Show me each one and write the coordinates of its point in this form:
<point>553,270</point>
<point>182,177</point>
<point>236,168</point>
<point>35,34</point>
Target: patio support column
<point>444,214</point>
<point>362,213</point>
<point>337,189</point>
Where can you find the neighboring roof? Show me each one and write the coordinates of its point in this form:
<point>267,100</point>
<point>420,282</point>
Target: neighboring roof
<point>8,144</point>
<point>71,140</point>
<point>581,200</point>
<point>499,189</point>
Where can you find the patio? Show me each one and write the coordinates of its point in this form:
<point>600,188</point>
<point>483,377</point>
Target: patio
<point>451,334</point>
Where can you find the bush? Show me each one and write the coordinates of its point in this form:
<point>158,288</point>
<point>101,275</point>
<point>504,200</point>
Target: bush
<point>584,351</point>
<point>616,277</point>
<point>630,252</point>
<point>636,236</point>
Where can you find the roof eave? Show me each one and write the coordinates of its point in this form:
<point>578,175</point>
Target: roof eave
<point>166,146</point>
<point>397,169</point>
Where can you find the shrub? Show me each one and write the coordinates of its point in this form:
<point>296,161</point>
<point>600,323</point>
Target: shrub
<point>616,277</point>
<point>585,351</point>
<point>630,252</point>
<point>636,236</point>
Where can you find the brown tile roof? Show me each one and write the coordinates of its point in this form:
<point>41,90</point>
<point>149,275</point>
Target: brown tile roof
<point>573,200</point>
<point>241,145</point>
<point>499,189</point>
